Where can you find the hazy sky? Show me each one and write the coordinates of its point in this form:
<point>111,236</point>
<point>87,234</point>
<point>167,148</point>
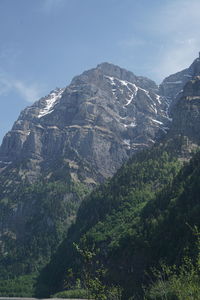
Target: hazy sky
<point>44,43</point>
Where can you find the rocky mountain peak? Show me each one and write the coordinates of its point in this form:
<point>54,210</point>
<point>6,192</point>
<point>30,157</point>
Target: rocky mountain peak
<point>75,138</point>
<point>104,70</point>
<point>172,86</point>
<point>101,118</point>
<point>195,67</point>
<point>108,69</point>
<point>111,70</point>
<point>191,90</point>
<point>186,112</point>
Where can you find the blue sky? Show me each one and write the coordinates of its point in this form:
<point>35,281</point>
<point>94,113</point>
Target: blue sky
<point>44,43</point>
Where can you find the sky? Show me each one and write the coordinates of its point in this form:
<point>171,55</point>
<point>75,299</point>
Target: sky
<point>45,43</point>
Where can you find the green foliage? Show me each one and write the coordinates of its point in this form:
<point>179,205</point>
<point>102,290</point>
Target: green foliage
<point>111,218</point>
<point>94,275</point>
<point>23,286</point>
<point>47,209</point>
<point>122,230</point>
<point>177,282</point>
<point>71,294</point>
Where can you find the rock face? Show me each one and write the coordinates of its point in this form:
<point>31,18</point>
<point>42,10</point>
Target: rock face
<point>64,143</point>
<point>173,85</point>
<point>73,139</point>
<point>101,118</point>
<point>186,113</point>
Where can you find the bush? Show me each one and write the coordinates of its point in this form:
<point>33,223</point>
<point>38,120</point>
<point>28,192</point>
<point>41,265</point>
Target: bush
<point>178,283</point>
<point>77,293</point>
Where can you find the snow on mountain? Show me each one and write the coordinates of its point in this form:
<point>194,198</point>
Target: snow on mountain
<point>50,102</point>
<point>104,116</point>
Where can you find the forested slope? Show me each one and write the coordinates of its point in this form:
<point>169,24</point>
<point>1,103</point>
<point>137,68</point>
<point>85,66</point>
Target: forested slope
<point>111,215</point>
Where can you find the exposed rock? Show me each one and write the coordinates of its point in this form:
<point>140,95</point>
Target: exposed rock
<point>172,86</point>
<point>76,137</point>
<point>186,113</point>
<point>102,117</point>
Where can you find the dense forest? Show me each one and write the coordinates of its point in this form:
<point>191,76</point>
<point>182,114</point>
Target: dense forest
<point>135,236</point>
<point>143,218</point>
<point>45,205</point>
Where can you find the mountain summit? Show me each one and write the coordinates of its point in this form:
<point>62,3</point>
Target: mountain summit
<point>73,139</point>
<point>101,118</point>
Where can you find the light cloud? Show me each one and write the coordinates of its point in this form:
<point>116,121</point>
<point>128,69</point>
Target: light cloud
<point>177,26</point>
<point>29,92</point>
<point>50,5</point>
<point>132,42</point>
<point>168,41</point>
<point>4,85</point>
<point>177,17</point>
<point>178,56</point>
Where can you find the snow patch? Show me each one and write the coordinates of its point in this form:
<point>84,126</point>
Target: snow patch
<point>125,83</point>
<point>167,112</point>
<point>50,102</point>
<point>152,141</point>
<point>133,93</point>
<point>128,143</point>
<point>6,162</point>
<point>153,105</point>
<point>154,108</point>
<point>52,127</point>
<point>165,129</point>
<point>156,121</point>
<point>111,79</point>
<point>130,100</point>
<point>132,124</point>
<point>174,82</point>
<point>158,99</point>
<point>187,75</point>
<point>178,93</point>
<point>19,122</point>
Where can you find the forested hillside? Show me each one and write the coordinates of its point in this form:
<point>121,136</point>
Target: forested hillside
<point>142,216</point>
<point>112,215</point>
<point>59,236</point>
<point>61,147</point>
<point>39,212</point>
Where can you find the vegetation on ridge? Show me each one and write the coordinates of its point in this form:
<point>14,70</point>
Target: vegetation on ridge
<point>47,207</point>
<point>110,217</point>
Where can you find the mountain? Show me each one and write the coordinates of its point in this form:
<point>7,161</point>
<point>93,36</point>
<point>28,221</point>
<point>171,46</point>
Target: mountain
<point>172,86</point>
<point>132,224</point>
<point>101,118</point>
<point>143,215</point>
<point>62,146</point>
<point>107,121</point>
<point>186,113</point>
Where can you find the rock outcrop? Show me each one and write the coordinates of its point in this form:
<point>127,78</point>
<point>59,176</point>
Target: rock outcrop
<point>186,113</point>
<point>101,118</point>
<point>75,138</point>
<point>172,86</point>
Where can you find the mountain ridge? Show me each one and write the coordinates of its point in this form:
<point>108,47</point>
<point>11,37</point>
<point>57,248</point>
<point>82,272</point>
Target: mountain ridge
<point>63,146</point>
<point>141,215</point>
<point>94,101</point>
<point>68,142</point>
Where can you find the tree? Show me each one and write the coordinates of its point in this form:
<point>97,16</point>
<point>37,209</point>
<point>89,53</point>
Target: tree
<point>94,274</point>
<point>178,282</point>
